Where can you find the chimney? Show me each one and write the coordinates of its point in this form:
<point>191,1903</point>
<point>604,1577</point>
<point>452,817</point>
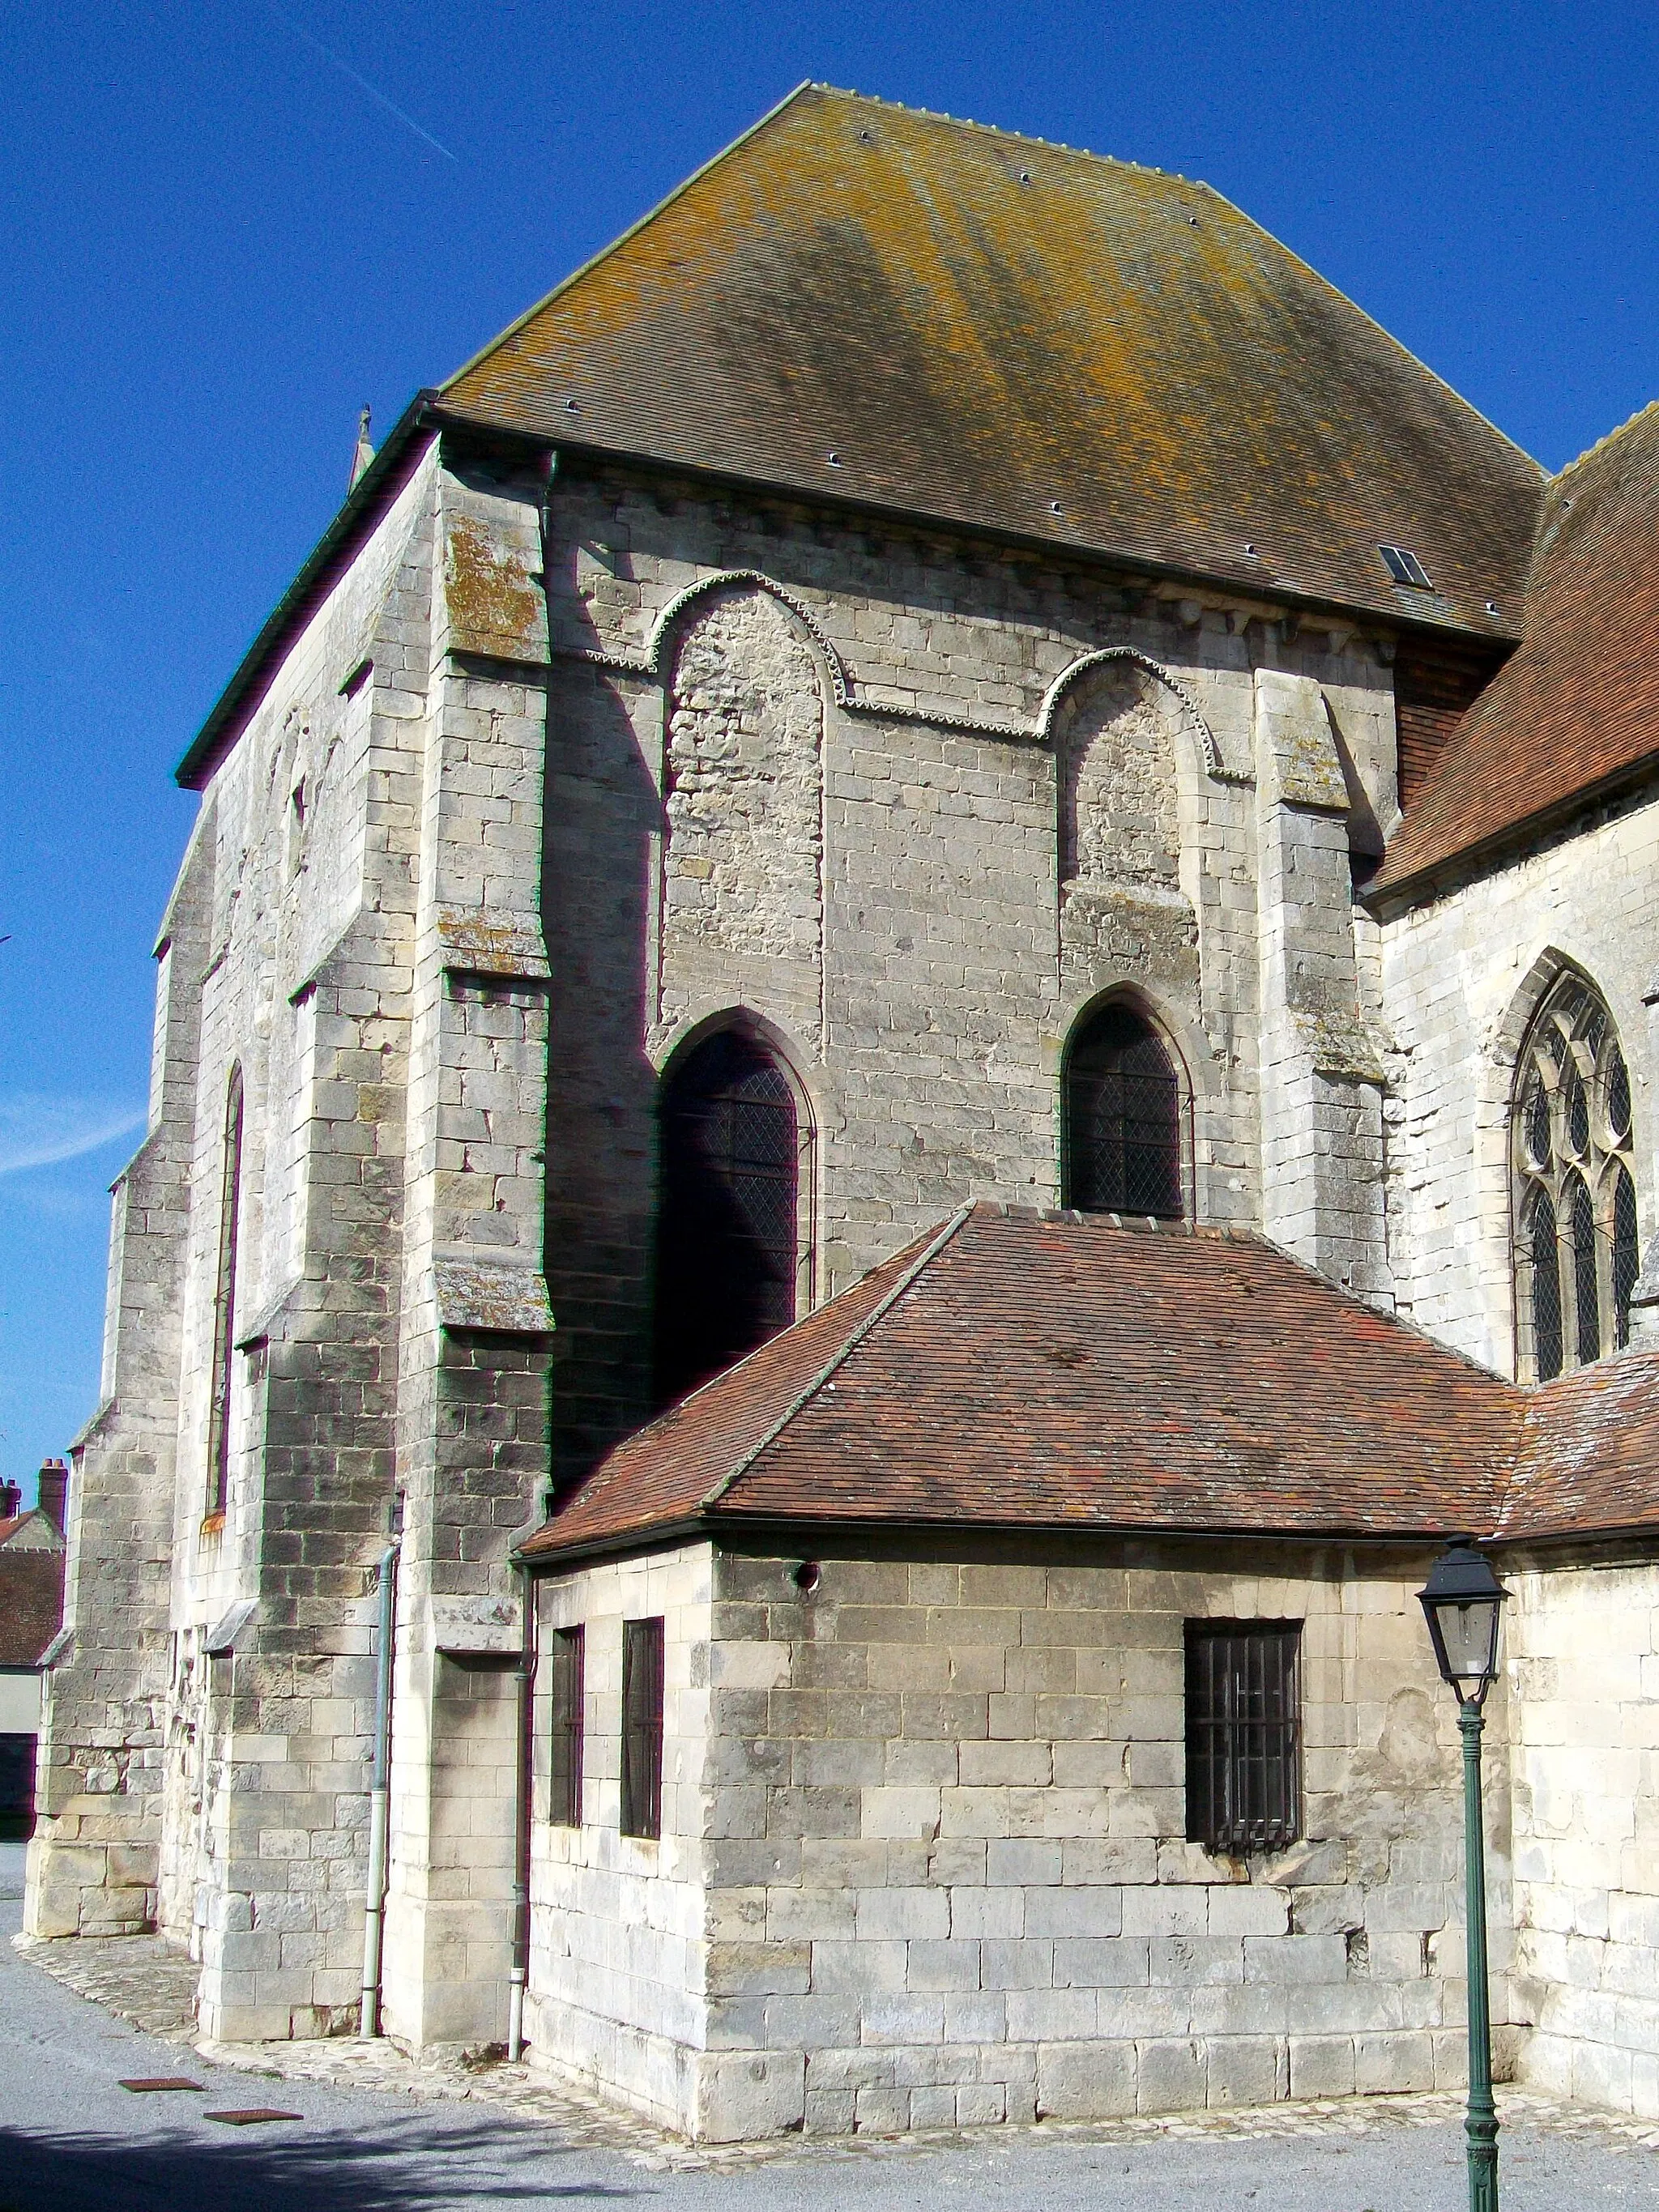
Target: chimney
<point>54,1488</point>
<point>11,1501</point>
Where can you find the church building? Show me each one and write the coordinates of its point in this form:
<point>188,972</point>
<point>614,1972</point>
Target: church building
<point>911,1025</point>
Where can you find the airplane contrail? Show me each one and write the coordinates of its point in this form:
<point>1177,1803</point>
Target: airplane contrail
<point>363,82</point>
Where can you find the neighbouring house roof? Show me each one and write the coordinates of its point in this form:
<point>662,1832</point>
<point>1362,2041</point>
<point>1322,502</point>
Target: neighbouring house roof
<point>1006,335</point>
<point>31,1604</point>
<point>1061,1371</point>
<point>1576,708</point>
<point>34,1531</point>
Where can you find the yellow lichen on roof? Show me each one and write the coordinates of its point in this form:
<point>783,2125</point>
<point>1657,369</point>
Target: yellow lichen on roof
<point>981,327</point>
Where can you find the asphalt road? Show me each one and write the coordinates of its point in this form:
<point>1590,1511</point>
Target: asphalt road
<point>71,2139</point>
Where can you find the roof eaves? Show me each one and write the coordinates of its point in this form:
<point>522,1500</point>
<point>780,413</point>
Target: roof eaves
<point>374,491</point>
<point>1122,562</point>
<point>1387,898</point>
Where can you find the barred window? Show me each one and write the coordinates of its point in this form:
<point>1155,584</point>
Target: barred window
<point>642,1743</point>
<point>1122,1144</point>
<point>729,1256</point>
<point>1244,1733</point>
<point>1576,1258</point>
<point>565,1760</point>
<point>224,1301</point>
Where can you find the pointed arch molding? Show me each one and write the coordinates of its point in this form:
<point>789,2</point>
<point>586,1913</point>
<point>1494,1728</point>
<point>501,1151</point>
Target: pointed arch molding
<point>1209,751</point>
<point>654,664</point>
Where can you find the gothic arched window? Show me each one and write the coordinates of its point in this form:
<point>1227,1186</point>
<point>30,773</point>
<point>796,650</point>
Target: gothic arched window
<point>729,1240</point>
<point>1122,1117</point>
<point>224,1301</point>
<point>1576,1258</point>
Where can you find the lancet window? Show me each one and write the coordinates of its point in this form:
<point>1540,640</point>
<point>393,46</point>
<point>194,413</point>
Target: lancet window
<point>1576,1258</point>
<point>731,1247</point>
<point>224,1301</point>
<point>1122,1118</point>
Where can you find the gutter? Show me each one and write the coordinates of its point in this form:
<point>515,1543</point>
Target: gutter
<point>1357,614</point>
<point>715,1527</point>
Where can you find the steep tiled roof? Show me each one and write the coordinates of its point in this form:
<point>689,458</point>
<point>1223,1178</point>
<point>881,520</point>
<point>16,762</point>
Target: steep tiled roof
<point>983,328</point>
<point>1577,705</point>
<point>31,1604</point>
<point>1063,1371</point>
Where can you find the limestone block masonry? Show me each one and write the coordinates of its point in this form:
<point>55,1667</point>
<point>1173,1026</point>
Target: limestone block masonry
<point>562,764</point>
<point>925,1861</point>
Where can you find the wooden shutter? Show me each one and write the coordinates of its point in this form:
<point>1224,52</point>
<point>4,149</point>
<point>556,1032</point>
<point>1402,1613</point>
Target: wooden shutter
<point>565,1751</point>
<point>1244,1733</point>
<point>641,1745</point>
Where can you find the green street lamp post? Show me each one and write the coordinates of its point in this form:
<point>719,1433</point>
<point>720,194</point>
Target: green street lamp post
<point>1461,1601</point>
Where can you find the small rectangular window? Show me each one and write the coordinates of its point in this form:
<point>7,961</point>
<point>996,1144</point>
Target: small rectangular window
<point>565,1759</point>
<point>641,1744</point>
<point>1405,567</point>
<point>1243,1734</point>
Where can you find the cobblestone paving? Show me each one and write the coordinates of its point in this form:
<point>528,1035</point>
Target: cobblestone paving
<point>152,1986</point>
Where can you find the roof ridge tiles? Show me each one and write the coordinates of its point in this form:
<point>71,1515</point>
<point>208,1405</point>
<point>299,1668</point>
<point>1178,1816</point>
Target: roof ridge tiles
<point>1607,438</point>
<point>998,130</point>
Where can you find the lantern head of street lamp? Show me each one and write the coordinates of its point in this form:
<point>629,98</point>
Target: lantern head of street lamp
<point>1461,1601</point>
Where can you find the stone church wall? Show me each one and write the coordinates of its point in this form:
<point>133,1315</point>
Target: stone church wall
<point>1461,977</point>
<point>913,805</point>
<point>946,1878</point>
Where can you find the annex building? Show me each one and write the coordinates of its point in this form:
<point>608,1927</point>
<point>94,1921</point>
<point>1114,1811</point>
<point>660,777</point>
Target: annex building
<point>911,1022</point>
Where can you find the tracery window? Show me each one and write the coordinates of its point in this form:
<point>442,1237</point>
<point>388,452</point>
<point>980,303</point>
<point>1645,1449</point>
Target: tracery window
<point>224,1301</point>
<point>1122,1147</point>
<point>1576,1258</point>
<point>729,1243</point>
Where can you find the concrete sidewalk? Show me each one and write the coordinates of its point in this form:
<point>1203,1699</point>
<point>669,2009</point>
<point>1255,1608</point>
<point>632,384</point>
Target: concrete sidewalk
<point>378,2132</point>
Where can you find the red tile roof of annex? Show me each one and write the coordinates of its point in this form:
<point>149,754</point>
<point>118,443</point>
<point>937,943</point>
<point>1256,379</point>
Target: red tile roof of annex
<point>1577,706</point>
<point>1063,1371</point>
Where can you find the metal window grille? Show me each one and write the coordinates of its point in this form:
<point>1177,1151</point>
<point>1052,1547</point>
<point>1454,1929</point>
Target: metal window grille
<point>565,1749</point>
<point>728,1252</point>
<point>642,1743</point>
<point>1243,1734</point>
<point>1122,1120</point>
<point>224,1303</point>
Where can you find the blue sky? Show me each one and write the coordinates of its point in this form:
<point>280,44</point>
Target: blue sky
<point>224,226</point>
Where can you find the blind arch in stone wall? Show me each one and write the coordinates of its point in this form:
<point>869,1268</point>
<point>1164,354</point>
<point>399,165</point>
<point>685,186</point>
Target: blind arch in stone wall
<point>743,780</point>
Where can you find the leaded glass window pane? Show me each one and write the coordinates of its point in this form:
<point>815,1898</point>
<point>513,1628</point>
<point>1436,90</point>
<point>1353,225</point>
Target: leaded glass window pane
<point>1576,1233</point>
<point>1627,1259</point>
<point>1581,1230</point>
<point>1545,1287</point>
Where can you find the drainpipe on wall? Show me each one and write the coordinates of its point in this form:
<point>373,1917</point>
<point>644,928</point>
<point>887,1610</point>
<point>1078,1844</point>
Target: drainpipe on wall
<point>380,1800</point>
<point>520,1972</point>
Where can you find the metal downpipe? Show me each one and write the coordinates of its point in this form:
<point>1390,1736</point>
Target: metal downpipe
<point>380,1799</point>
<point>519,1973</point>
